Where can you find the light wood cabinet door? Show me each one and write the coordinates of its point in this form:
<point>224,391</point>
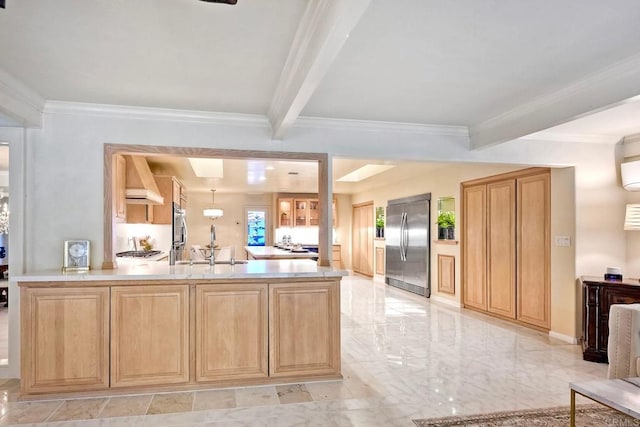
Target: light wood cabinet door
<point>120,181</point>
<point>534,250</point>
<point>65,339</point>
<point>362,239</point>
<point>447,274</point>
<point>380,261</point>
<point>474,247</point>
<point>501,249</point>
<point>149,335</point>
<point>285,212</point>
<point>231,332</point>
<point>301,212</point>
<point>336,256</point>
<point>304,329</point>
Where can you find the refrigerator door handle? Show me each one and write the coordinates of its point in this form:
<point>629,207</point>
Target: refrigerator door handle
<point>406,233</point>
<point>403,226</point>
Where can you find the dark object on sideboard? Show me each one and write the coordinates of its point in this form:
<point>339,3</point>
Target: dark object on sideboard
<point>597,297</point>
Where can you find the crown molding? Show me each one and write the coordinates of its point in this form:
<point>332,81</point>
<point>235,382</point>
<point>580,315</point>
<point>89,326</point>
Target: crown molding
<point>19,102</point>
<point>601,90</point>
<point>321,34</point>
<point>152,113</point>
<point>380,126</point>
<point>572,137</point>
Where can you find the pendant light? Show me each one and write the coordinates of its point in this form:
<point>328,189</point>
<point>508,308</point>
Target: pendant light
<point>212,212</point>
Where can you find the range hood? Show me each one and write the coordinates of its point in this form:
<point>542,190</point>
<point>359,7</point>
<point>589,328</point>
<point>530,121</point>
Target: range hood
<point>141,187</point>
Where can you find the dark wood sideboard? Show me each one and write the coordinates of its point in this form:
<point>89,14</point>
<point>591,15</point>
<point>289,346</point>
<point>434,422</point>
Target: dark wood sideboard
<point>597,297</point>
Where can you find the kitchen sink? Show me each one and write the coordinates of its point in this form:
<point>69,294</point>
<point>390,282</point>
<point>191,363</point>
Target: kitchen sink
<point>206,262</point>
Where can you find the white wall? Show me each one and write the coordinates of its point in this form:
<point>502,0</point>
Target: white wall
<point>230,229</point>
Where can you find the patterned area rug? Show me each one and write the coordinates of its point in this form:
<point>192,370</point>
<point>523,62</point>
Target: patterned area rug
<point>587,415</point>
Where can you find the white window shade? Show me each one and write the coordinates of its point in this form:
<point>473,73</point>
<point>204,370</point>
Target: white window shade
<point>630,172</point>
<point>632,217</point>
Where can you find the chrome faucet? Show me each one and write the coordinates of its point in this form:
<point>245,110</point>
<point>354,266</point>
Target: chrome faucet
<point>212,260</point>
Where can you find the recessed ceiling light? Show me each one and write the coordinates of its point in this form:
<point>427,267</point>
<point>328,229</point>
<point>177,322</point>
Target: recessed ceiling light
<point>364,172</point>
<point>263,178</point>
<point>269,168</point>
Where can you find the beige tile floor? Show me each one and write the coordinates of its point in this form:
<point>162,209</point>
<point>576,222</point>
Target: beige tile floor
<point>403,357</point>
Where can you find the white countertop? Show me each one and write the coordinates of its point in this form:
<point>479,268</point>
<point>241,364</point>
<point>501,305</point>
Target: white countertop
<point>271,252</point>
<point>161,270</point>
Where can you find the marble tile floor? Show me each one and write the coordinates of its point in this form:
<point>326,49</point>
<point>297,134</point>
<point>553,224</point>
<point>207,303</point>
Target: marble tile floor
<point>403,357</point>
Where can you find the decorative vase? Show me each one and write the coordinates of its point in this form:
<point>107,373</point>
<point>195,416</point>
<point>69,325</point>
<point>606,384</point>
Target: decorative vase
<point>442,233</point>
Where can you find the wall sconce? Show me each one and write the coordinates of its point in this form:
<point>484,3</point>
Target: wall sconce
<point>632,217</point>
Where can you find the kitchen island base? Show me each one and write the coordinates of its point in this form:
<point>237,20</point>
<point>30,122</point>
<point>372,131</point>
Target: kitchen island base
<point>103,337</point>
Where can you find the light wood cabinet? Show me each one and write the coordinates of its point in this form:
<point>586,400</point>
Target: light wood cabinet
<point>336,256</point>
<point>119,185</point>
<point>301,212</point>
<point>474,248</point>
<point>231,332</point>
<point>285,212</point>
<point>304,335</point>
<point>149,335</point>
<point>65,339</point>
<point>380,261</point>
<point>447,274</point>
<point>501,248</point>
<point>534,249</point>
<point>506,246</point>
<point>172,191</point>
<point>362,239</point>
<point>88,336</point>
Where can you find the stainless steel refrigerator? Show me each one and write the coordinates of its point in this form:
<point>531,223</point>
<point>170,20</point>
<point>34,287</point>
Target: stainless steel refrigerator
<point>407,244</point>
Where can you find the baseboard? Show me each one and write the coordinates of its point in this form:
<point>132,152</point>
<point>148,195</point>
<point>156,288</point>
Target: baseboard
<point>562,337</point>
<point>447,301</point>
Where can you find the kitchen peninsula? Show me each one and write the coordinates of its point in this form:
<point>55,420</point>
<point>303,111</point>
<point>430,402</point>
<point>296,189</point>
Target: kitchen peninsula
<point>155,326</point>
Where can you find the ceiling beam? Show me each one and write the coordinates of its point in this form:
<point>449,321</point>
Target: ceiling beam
<point>599,91</point>
<point>20,103</point>
<point>322,32</point>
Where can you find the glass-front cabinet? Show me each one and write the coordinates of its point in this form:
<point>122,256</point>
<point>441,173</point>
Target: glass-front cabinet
<point>285,212</point>
<point>314,212</point>
<point>301,212</point>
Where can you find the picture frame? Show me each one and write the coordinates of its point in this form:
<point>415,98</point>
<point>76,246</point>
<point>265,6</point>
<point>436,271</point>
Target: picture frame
<point>76,255</point>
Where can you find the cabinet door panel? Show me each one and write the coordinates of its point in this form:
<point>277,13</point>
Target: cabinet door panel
<point>533,250</point>
<point>501,236</point>
<point>304,335</point>
<point>231,332</point>
<point>474,279</point>
<point>65,341</point>
<point>149,335</point>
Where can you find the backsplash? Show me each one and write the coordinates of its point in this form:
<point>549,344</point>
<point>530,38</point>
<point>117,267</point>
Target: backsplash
<point>302,235</point>
<point>160,235</point>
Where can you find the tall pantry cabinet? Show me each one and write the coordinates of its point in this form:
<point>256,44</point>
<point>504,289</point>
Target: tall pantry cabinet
<point>506,246</point>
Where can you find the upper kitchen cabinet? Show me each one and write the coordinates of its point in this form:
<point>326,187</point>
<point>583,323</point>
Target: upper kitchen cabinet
<point>285,212</point>
<point>173,192</point>
<point>301,212</point>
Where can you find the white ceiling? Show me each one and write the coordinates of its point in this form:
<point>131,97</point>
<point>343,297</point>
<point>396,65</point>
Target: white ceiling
<point>457,62</point>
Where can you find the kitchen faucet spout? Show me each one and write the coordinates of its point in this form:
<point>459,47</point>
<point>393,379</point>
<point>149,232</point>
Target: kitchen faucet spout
<point>212,260</point>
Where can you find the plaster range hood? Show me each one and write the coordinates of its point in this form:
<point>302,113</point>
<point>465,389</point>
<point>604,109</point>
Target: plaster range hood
<point>141,187</point>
